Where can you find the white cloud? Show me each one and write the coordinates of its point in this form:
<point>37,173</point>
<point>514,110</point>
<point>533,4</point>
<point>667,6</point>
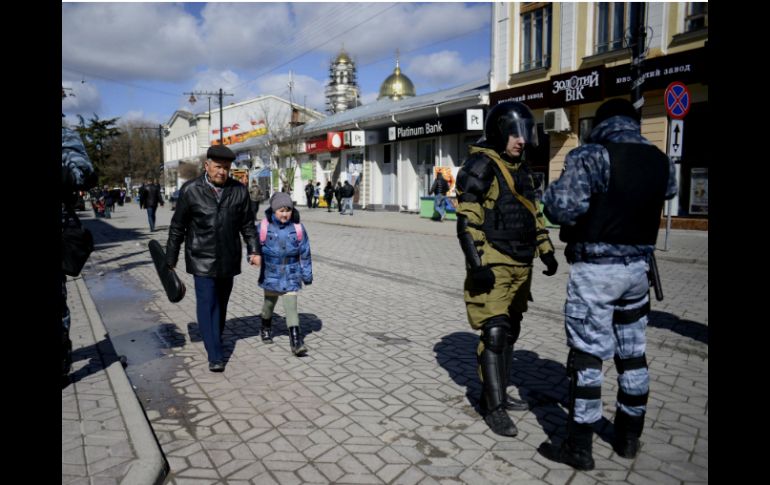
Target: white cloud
<point>307,90</point>
<point>435,69</point>
<point>130,41</point>
<point>367,98</point>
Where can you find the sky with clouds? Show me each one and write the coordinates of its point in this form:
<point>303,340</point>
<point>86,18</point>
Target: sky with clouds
<point>134,60</point>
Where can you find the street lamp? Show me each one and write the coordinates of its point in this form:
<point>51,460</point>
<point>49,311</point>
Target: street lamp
<point>192,100</point>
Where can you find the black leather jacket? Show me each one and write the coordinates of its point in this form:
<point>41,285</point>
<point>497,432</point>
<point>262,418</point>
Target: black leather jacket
<point>210,229</point>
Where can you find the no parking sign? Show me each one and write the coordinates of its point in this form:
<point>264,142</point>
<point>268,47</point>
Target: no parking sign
<point>677,99</point>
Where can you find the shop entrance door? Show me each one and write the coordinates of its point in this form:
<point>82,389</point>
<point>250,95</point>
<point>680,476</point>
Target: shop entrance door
<point>388,176</point>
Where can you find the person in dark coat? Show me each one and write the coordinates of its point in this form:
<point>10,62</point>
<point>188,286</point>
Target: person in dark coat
<point>149,198</point>
<point>212,211</point>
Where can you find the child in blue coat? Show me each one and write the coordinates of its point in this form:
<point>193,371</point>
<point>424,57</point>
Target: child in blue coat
<point>286,265</point>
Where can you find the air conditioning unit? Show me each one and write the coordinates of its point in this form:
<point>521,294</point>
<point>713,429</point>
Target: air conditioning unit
<point>555,120</point>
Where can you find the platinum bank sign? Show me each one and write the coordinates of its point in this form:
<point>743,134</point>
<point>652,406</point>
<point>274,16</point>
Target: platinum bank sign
<point>409,131</point>
<point>446,125</point>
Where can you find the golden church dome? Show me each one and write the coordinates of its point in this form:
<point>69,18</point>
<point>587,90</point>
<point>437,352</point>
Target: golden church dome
<point>342,58</point>
<point>396,86</point>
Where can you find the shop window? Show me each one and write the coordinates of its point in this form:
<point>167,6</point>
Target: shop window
<point>697,16</point>
<point>613,22</point>
<point>426,160</point>
<point>535,36</point>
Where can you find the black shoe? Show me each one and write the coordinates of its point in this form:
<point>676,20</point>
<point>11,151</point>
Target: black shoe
<point>513,404</point>
<point>577,458</point>
<point>217,366</point>
<point>575,450</point>
<point>295,341</point>
<point>266,330</point>
<point>628,429</point>
<point>500,423</point>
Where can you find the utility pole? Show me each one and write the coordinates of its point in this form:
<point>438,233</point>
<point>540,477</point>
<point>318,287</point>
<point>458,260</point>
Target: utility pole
<point>219,94</point>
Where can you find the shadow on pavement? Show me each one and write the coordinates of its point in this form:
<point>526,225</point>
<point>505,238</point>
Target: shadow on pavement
<point>541,382</point>
<point>688,328</point>
<point>245,327</point>
<point>100,355</point>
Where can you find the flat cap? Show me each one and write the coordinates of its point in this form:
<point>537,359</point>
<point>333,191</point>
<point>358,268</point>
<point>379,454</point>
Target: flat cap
<point>220,152</point>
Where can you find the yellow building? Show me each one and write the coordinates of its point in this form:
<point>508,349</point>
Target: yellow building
<point>564,59</point>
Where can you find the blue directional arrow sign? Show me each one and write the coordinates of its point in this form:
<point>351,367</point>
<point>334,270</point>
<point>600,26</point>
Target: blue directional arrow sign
<point>677,99</point>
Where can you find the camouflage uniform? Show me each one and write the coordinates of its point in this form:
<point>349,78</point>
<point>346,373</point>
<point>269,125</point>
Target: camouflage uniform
<point>500,232</point>
<point>608,291</point>
<point>77,174</point>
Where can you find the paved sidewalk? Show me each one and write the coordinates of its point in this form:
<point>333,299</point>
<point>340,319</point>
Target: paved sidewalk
<point>106,437</point>
<point>388,391</point>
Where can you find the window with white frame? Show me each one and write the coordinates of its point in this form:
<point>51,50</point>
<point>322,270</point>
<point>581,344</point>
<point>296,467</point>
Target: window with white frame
<point>535,35</point>
<point>697,16</point>
<point>615,20</point>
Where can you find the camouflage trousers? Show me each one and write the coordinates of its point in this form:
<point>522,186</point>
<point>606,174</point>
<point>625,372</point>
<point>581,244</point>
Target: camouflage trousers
<point>606,316</point>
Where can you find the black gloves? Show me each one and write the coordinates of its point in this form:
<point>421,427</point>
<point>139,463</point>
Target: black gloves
<point>549,260</point>
<point>481,279</point>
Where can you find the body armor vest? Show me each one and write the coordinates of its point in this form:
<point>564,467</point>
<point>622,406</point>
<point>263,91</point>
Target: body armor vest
<point>509,226</point>
<point>629,212</point>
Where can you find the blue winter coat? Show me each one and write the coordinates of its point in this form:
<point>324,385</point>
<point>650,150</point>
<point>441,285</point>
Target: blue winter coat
<point>286,262</point>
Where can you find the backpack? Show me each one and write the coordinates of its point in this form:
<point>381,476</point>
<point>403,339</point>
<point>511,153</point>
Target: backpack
<point>263,231</point>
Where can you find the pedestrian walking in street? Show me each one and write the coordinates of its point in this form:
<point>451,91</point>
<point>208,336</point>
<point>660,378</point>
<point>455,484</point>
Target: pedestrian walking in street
<point>317,195</point>
<point>608,202</point>
<point>77,174</point>
<point>347,192</point>
<point>286,266</point>
<point>440,188</point>
<point>500,234</point>
<point>309,191</point>
<point>149,198</point>
<point>328,195</point>
<point>255,194</point>
<point>338,196</point>
<point>211,212</point>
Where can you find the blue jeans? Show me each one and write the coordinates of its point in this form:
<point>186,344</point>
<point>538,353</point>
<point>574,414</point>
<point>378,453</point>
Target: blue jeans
<point>211,297</point>
<point>347,202</point>
<point>439,205</point>
<point>151,217</point>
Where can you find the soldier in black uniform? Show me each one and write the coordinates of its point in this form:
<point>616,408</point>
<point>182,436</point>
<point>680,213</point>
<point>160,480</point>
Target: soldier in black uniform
<point>501,230</point>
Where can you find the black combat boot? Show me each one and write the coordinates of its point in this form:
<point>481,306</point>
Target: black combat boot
<point>494,380</point>
<point>628,429</point>
<point>576,450</point>
<point>295,340</point>
<point>266,330</point>
<point>511,403</point>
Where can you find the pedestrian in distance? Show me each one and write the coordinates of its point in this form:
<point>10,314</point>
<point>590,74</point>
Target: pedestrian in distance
<point>317,195</point>
<point>309,191</point>
<point>608,202</point>
<point>338,195</point>
<point>211,213</point>
<point>328,195</point>
<point>440,188</point>
<point>347,192</point>
<point>149,198</point>
<point>500,233</point>
<point>255,194</point>
<point>286,266</point>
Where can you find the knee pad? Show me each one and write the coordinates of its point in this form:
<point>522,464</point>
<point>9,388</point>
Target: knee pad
<point>494,334</point>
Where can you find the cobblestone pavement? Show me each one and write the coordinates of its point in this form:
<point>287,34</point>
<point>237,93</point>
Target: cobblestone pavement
<point>387,393</point>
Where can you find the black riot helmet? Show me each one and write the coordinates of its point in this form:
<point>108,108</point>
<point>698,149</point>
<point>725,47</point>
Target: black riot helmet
<point>510,118</point>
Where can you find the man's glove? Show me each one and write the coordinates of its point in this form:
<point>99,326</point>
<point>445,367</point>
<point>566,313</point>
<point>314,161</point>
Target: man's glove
<point>549,260</point>
<point>481,279</point>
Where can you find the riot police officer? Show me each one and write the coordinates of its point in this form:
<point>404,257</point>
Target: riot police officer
<point>501,231</point>
<point>608,202</point>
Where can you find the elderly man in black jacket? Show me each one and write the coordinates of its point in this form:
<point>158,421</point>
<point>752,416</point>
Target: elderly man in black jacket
<point>211,211</point>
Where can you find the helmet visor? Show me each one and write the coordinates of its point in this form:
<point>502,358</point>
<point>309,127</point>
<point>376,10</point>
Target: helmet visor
<point>519,127</point>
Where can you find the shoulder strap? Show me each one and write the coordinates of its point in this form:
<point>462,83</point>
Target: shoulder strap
<point>298,228</point>
<point>509,180</point>
<point>263,231</point>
